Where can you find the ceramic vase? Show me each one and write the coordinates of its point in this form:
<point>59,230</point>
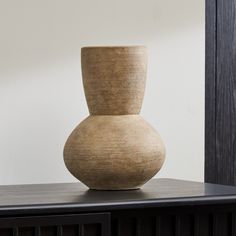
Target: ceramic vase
<point>114,148</point>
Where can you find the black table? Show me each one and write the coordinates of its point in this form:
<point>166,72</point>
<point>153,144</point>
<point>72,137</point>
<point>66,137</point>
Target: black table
<point>163,207</point>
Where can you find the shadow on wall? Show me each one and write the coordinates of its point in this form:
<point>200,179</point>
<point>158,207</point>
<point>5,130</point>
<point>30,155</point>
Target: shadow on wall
<point>41,33</point>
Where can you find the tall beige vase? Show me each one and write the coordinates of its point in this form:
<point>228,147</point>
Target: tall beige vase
<point>114,148</point>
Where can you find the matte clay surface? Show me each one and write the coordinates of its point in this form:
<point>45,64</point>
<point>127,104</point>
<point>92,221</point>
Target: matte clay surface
<point>114,148</point>
<point>114,152</point>
<point>114,79</point>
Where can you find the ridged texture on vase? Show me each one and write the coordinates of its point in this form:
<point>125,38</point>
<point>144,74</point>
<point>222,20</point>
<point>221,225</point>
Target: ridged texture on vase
<point>114,152</point>
<point>114,148</point>
<point>114,79</point>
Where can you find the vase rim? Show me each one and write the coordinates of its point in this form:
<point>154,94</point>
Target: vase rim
<point>110,47</point>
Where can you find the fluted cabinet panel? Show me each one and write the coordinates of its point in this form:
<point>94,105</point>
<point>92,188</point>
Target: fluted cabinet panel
<point>72,225</point>
<point>176,223</point>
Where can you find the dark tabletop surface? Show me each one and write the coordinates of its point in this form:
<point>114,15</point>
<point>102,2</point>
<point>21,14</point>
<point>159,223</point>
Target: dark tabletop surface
<point>71,197</point>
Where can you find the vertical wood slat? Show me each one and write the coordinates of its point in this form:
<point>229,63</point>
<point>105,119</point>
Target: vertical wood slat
<point>59,230</point>
<point>81,230</point>
<point>177,226</point>
<point>214,224</point>
<point>196,225</point>
<point>233,224</point>
<point>15,231</point>
<point>137,226</point>
<point>78,230</point>
<point>157,226</point>
<point>118,227</point>
<point>210,92</point>
<point>230,223</point>
<point>222,224</point>
<point>106,228</point>
<point>37,231</point>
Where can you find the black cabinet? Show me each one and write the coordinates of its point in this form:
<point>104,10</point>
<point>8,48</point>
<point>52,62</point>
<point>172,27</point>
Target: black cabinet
<point>163,207</point>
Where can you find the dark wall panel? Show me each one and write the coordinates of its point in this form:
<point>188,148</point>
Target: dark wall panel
<point>220,124</point>
<point>226,92</point>
<point>210,96</point>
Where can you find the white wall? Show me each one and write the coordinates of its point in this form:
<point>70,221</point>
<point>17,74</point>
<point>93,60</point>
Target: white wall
<point>41,94</point>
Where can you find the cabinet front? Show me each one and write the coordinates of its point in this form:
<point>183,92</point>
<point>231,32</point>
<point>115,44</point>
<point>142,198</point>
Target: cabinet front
<point>92,224</point>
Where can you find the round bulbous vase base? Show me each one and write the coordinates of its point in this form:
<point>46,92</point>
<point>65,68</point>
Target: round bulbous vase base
<point>108,152</point>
